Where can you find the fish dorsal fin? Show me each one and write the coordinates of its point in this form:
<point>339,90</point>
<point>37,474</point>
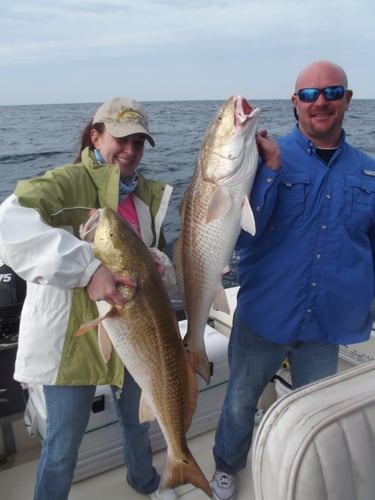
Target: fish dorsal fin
<point>146,413</point>
<point>105,344</point>
<point>191,392</point>
<point>179,267</point>
<point>221,302</point>
<point>220,203</point>
<point>247,217</point>
<point>182,206</point>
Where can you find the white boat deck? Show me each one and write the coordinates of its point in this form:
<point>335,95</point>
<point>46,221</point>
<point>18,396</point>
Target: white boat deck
<point>17,475</point>
<point>17,479</point>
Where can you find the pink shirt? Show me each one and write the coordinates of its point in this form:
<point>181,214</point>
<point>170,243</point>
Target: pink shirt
<point>127,211</point>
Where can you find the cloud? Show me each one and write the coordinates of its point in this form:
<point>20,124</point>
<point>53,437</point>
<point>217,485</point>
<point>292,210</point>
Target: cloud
<point>191,50</point>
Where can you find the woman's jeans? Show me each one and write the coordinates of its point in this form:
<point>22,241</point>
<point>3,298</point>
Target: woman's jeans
<point>68,412</point>
<point>253,361</point>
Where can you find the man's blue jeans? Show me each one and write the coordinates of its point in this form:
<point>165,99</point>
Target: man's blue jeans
<point>68,412</point>
<point>253,361</point>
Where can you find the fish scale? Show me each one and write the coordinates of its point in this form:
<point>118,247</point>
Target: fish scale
<point>145,334</point>
<point>214,208</point>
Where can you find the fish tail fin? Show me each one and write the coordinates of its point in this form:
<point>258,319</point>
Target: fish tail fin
<point>184,470</point>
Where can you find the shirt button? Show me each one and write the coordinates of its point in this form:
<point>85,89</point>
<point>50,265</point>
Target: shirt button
<point>269,179</point>
<point>258,208</point>
<point>318,256</point>
<point>313,284</point>
<point>309,311</point>
<point>328,196</point>
<point>324,226</point>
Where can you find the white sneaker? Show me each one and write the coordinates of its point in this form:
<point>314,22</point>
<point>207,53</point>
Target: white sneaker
<point>223,486</point>
<point>166,494</point>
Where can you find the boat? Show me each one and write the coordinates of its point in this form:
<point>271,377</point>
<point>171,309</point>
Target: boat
<point>101,476</point>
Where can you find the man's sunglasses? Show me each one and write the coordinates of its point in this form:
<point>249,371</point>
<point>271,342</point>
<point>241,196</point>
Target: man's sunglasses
<point>333,93</point>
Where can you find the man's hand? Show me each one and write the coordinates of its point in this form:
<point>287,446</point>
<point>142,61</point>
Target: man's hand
<point>269,150</point>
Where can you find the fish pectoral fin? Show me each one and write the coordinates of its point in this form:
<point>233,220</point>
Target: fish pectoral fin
<point>146,413</point>
<point>220,302</point>
<point>219,204</point>
<point>89,325</point>
<point>105,344</point>
<point>247,217</point>
<point>85,327</point>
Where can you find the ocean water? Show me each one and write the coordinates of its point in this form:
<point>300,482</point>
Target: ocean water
<point>36,138</point>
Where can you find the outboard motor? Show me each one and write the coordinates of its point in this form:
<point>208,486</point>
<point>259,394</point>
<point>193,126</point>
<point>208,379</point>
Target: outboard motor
<point>12,296</point>
<point>12,397</point>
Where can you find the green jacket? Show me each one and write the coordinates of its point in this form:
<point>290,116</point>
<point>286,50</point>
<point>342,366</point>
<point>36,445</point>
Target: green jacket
<point>47,252</point>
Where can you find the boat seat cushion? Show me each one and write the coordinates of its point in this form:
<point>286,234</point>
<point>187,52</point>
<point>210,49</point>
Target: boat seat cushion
<point>318,442</point>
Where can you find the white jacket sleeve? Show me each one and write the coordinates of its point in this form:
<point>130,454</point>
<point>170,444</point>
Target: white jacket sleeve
<point>41,253</point>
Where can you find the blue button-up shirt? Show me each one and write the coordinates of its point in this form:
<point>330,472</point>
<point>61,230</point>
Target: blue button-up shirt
<point>308,273</point>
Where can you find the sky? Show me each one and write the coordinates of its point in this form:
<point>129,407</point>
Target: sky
<point>77,51</point>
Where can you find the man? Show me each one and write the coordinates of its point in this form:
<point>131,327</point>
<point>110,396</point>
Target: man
<point>307,276</point>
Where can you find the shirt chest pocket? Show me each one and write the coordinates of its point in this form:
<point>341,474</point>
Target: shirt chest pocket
<point>361,202</point>
<point>291,198</point>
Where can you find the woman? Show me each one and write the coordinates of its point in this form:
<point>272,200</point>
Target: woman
<point>39,239</point>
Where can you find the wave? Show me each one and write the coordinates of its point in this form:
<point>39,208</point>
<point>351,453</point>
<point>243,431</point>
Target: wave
<point>29,157</point>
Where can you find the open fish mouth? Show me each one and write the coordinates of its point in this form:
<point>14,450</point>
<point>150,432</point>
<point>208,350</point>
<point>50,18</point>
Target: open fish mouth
<point>88,229</point>
<point>243,112</point>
